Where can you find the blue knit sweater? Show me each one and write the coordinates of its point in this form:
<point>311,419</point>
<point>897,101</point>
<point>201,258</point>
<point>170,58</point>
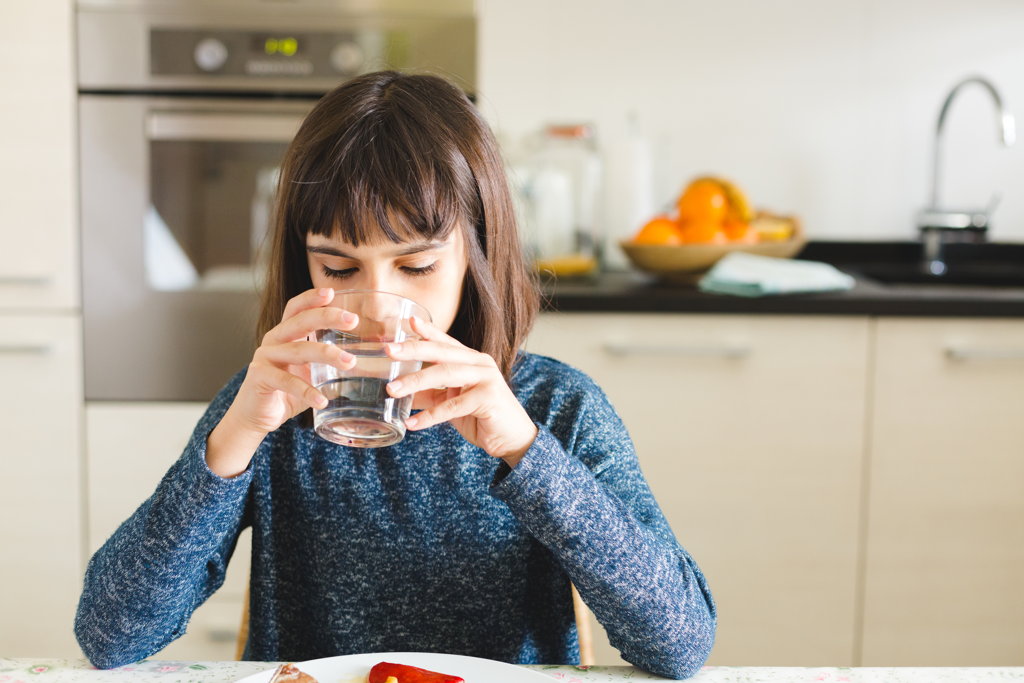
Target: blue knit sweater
<point>427,545</point>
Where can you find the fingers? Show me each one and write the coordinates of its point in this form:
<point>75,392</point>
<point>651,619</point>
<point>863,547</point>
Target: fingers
<point>441,376</point>
<point>270,378</point>
<point>305,322</point>
<point>297,353</point>
<point>438,352</point>
<point>311,298</point>
<point>431,333</point>
<point>455,407</point>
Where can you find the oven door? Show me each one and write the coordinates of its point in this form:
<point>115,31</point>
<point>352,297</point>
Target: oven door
<point>176,201</point>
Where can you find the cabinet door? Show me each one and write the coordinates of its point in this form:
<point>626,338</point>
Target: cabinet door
<point>749,431</point>
<point>40,505</point>
<point>945,554</point>
<point>130,447</point>
<point>38,261</point>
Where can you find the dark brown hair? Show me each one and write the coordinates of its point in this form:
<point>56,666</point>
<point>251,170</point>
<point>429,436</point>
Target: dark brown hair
<point>405,156</point>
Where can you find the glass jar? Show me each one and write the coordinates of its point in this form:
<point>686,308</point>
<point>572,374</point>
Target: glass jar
<point>559,190</point>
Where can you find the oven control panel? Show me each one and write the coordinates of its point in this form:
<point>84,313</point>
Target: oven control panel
<point>183,52</point>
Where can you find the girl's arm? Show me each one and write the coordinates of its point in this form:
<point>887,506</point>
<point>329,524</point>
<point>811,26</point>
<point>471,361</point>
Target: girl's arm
<point>594,510</point>
<point>142,586</point>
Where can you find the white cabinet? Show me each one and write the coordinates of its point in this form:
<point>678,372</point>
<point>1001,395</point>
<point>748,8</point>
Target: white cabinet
<point>945,554</point>
<point>40,335</point>
<point>41,505</point>
<point>750,432</point>
<point>38,257</point>
<point>130,446</point>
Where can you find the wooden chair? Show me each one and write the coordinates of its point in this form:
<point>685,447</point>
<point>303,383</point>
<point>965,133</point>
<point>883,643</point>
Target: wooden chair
<point>583,628</point>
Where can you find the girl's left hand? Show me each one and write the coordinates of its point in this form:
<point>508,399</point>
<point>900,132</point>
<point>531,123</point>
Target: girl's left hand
<point>465,387</point>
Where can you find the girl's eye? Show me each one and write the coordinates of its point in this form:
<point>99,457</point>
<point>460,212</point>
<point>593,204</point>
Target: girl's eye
<point>338,274</point>
<point>422,270</point>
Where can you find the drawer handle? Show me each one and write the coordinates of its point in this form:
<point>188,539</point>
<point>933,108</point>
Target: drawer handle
<point>25,349</point>
<point>24,280</point>
<point>966,353</point>
<point>693,351</point>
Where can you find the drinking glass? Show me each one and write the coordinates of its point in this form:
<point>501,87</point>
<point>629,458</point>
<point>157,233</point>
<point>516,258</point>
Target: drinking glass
<point>360,413</point>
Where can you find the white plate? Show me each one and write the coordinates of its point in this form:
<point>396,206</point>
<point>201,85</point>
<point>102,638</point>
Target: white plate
<point>355,668</point>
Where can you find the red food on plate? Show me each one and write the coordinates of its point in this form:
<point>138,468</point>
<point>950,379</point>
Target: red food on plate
<point>408,674</point>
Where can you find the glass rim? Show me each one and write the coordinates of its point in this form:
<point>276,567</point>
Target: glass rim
<point>381,291</point>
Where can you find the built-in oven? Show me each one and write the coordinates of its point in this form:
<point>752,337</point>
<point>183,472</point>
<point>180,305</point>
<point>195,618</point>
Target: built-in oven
<point>185,111</point>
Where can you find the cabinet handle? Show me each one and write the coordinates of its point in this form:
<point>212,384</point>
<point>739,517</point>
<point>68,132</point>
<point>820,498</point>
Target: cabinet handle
<point>25,349</point>
<point>23,280</point>
<point>696,351</point>
<point>966,353</point>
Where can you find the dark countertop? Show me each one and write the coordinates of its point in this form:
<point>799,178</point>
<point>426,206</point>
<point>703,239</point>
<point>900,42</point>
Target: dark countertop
<point>634,292</point>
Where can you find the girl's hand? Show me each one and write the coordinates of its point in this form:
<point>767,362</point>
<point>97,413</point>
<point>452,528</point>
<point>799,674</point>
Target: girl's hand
<point>277,386</point>
<point>464,387</point>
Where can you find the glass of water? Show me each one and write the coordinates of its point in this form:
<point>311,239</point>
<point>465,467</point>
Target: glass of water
<point>360,413</point>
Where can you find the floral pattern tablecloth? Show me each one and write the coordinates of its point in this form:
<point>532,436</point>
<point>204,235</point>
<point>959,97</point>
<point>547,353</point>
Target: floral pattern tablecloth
<point>152,671</point>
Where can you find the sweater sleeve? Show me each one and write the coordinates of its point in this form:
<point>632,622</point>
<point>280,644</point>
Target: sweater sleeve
<point>592,508</point>
<point>143,584</point>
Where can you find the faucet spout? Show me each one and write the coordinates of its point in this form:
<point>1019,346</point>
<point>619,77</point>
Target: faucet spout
<point>1004,119</point>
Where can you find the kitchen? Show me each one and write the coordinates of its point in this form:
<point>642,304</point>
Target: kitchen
<point>860,465</point>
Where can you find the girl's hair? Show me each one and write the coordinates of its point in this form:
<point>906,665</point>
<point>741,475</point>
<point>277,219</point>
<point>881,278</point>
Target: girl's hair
<point>405,157</point>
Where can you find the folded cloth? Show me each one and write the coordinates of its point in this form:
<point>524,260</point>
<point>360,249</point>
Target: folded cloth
<point>743,274</point>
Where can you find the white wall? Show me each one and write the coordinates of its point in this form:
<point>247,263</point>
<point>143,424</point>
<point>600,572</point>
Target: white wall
<point>822,108</point>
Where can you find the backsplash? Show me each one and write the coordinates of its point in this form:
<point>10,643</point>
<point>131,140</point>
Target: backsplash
<point>823,109</point>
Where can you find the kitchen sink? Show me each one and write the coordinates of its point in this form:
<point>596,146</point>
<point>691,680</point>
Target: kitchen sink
<point>902,263</point>
<point>991,275</point>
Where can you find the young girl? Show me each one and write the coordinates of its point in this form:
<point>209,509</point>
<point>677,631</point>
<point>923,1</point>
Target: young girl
<point>515,479</point>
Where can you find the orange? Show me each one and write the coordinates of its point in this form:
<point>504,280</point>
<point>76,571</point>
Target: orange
<point>739,231</point>
<point>704,200</point>
<point>703,232</point>
<point>660,230</point>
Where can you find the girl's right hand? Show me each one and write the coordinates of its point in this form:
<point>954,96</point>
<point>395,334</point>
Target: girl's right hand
<point>277,385</point>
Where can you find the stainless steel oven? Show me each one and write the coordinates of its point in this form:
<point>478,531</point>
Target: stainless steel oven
<point>185,110</point>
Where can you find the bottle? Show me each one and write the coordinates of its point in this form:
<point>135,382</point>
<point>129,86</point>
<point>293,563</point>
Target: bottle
<point>630,200</point>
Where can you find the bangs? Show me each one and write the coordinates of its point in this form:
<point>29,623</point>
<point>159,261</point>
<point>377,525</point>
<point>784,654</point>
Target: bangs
<point>384,177</point>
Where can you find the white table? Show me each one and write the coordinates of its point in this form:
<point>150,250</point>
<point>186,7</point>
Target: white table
<point>154,671</point>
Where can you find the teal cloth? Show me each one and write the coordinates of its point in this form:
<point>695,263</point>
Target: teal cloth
<point>742,274</point>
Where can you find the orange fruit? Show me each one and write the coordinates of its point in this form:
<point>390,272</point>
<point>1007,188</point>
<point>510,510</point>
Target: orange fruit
<point>739,231</point>
<point>704,200</point>
<point>660,230</point>
<point>703,232</point>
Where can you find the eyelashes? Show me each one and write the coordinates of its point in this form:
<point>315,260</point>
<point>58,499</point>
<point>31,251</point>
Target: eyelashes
<point>408,270</point>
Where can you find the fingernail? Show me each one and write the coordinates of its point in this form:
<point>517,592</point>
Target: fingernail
<point>411,421</point>
<point>394,348</point>
<point>348,317</point>
<point>322,402</point>
<point>395,387</point>
<point>324,292</point>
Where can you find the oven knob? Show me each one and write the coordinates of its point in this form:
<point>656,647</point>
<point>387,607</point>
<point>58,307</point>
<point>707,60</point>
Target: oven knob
<point>347,57</point>
<point>210,54</point>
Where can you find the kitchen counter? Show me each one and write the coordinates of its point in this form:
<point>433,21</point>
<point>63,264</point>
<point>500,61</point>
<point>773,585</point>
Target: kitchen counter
<point>634,292</point>
<point>151,671</point>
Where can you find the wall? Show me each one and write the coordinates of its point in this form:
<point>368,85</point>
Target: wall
<point>825,109</point>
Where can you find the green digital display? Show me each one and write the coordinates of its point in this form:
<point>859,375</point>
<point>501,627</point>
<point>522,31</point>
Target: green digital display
<point>284,46</point>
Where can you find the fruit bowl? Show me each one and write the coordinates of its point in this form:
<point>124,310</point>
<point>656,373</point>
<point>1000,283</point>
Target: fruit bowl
<point>687,263</point>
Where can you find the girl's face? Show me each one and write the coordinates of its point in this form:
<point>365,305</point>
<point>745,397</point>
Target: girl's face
<point>429,273</point>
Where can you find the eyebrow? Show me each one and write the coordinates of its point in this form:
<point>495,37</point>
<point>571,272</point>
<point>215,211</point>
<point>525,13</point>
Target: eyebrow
<point>411,249</point>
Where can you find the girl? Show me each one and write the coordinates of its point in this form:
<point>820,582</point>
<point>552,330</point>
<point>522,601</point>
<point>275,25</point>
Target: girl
<point>515,478</point>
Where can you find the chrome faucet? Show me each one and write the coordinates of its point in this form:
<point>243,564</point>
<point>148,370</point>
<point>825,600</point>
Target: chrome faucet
<point>939,226</point>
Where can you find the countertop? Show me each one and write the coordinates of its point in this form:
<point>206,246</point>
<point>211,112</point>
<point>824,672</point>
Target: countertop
<point>151,671</point>
<point>635,292</point>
